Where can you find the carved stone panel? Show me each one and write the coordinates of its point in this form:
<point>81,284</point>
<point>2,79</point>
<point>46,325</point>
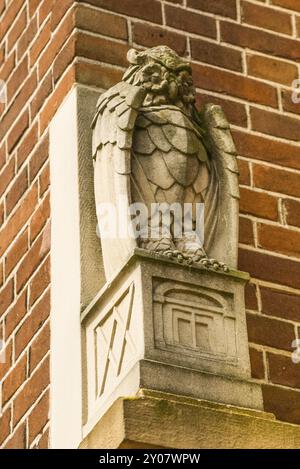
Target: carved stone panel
<point>170,328</point>
<point>114,345</point>
<point>111,348</point>
<point>194,321</point>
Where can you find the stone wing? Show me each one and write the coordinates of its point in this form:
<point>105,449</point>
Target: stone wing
<point>113,125</point>
<point>222,198</point>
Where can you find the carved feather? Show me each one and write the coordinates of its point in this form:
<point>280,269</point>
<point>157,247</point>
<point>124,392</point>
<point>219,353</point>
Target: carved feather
<point>113,126</point>
<point>225,225</point>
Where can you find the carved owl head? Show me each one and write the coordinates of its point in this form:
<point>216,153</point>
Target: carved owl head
<point>166,77</point>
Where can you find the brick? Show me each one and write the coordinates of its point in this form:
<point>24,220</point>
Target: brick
<point>103,50</point>
<point>6,296</point>
<point>40,43</point>
<point>151,36</point>
<point>2,6</point>
<point>223,81</point>
<point>287,102</point>
<point>102,76</point>
<point>33,6</point>
<point>219,7</point>
<point>58,12</point>
<point>40,281</point>
<point>267,149</point>
<point>5,367</point>
<point>45,10</point>
<point>44,179</point>
<point>147,10</point>
<point>38,158</point>
<point>64,59</point>
<point>9,16</point>
<point>5,419</point>
<point>19,248</point>
<point>38,417</point>
<point>275,124</point>
<point>8,66</point>
<point>270,268</point>
<point>257,364</point>
<point>280,303</point>
<point>283,403</point>
<point>2,156</point>
<point>19,218</point>
<point>60,37</point>
<point>17,30</point>
<point>264,17</point>
<point>32,324</point>
<point>31,391</point>
<point>44,441</point>
<point>33,258</point>
<point>235,112</point>
<point>19,103</point>
<point>17,78</point>
<point>216,54</point>
<point>7,175</point>
<point>56,99</point>
<point>39,219</point>
<point>251,296</point>
<point>292,212</point>
<point>258,204</point>
<point>244,172</point>
<point>18,439</point>
<point>278,239</point>
<point>290,4</point>
<point>298,25</point>
<point>101,22</point>
<point>44,90</point>
<point>14,379</point>
<point>2,55</point>
<point>28,144</point>
<point>276,180</point>
<point>246,231</point>
<point>26,38</point>
<point>259,40</point>
<point>16,191</point>
<point>17,131</point>
<point>39,347</point>
<point>263,330</point>
<point>189,21</point>
<point>16,314</point>
<point>271,69</point>
<point>1,223</point>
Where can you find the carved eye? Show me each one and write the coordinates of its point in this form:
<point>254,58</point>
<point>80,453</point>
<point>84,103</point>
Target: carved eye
<point>151,69</point>
<point>156,78</point>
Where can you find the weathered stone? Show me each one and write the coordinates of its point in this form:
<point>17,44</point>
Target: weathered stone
<point>172,328</point>
<point>161,420</point>
<point>149,120</point>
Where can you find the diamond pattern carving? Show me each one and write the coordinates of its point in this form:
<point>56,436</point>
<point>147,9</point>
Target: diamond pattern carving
<point>114,344</point>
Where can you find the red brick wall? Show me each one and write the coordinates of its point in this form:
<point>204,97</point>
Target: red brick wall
<point>245,55</point>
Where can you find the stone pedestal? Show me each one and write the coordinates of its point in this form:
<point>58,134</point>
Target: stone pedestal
<point>167,328</point>
<point>160,420</point>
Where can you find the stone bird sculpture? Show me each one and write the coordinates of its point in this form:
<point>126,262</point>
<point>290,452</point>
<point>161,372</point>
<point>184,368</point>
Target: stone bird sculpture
<point>151,146</point>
